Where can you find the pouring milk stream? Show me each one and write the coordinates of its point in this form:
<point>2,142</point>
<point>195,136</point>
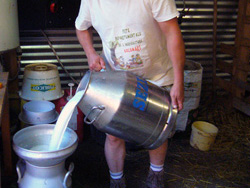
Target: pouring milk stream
<point>63,121</point>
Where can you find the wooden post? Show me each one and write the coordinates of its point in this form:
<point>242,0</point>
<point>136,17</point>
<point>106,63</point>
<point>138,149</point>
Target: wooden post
<point>214,46</point>
<point>11,65</point>
<point>5,125</point>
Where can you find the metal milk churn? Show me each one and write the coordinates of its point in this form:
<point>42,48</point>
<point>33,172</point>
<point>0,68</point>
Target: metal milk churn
<point>129,107</point>
<point>40,168</point>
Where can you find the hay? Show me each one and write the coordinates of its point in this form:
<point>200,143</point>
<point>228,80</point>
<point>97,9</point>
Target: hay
<point>227,163</point>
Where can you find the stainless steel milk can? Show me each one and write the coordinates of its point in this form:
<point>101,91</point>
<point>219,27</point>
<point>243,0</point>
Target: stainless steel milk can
<point>38,168</point>
<point>129,107</point>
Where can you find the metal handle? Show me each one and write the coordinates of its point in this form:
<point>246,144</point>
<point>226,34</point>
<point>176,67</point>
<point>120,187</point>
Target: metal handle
<point>107,65</point>
<point>67,175</point>
<point>41,67</point>
<point>171,119</point>
<point>101,108</point>
<point>20,169</point>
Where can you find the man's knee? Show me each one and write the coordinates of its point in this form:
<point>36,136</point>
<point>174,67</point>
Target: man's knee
<point>115,141</point>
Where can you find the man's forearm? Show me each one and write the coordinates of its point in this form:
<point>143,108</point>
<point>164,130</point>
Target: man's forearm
<point>95,62</point>
<point>175,47</point>
<point>176,52</point>
<point>85,39</point>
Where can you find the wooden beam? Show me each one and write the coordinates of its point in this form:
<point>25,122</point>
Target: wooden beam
<point>246,42</point>
<point>5,124</point>
<point>244,67</point>
<point>241,105</point>
<point>247,21</point>
<point>241,84</point>
<point>224,84</point>
<point>240,23</point>
<point>248,8</point>
<point>225,66</point>
<point>215,6</point>
<point>11,66</point>
<point>246,33</point>
<point>227,49</point>
<point>243,56</point>
<point>247,99</point>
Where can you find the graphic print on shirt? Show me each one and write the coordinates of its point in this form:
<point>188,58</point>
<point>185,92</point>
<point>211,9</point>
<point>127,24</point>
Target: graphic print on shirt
<point>126,50</point>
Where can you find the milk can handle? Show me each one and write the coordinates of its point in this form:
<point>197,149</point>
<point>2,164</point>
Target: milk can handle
<point>67,175</point>
<point>20,168</point>
<point>174,111</point>
<point>101,108</point>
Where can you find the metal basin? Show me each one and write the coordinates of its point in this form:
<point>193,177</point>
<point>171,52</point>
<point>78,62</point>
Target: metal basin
<point>38,112</point>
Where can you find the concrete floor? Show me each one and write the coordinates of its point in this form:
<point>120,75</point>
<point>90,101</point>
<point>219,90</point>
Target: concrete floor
<point>185,166</point>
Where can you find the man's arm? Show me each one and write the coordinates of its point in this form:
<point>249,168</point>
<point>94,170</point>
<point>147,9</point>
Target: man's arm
<point>176,51</point>
<point>95,62</point>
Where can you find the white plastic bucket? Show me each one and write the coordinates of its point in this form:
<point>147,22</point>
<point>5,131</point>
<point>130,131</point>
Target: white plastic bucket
<point>192,90</point>
<point>203,135</point>
<point>41,82</point>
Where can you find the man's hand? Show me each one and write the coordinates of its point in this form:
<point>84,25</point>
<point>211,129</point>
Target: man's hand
<point>177,96</point>
<point>96,63</point>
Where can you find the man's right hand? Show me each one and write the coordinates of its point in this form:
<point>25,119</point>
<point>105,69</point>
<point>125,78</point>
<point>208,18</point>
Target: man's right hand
<point>96,63</point>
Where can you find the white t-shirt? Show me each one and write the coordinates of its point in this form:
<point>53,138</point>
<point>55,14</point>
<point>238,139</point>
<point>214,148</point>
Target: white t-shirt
<point>131,37</point>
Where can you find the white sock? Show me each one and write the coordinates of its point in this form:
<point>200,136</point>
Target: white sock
<point>116,175</point>
<point>156,168</point>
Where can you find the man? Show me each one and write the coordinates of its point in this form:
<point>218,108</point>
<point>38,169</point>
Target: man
<point>141,36</point>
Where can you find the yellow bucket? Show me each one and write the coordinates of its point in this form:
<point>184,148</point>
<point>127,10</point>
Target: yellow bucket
<point>203,135</point>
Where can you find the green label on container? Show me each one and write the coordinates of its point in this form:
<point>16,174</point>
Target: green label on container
<point>43,87</point>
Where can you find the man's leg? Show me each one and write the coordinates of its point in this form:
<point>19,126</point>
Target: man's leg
<point>115,152</point>
<point>157,156</point>
<point>156,172</point>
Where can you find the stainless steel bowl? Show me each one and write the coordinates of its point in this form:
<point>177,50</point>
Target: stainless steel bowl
<point>25,140</point>
<point>38,112</point>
